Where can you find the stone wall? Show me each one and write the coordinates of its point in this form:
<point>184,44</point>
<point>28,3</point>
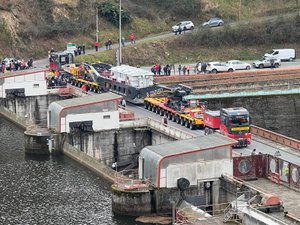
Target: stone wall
<point>276,113</point>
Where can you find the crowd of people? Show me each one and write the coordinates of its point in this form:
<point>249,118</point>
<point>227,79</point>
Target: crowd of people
<point>159,70</point>
<point>15,65</point>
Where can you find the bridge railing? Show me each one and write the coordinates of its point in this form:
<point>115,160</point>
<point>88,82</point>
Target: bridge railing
<point>278,138</point>
<point>158,126</point>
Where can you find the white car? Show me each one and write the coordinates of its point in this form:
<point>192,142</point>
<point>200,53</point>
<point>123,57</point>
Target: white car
<point>182,26</point>
<point>239,65</point>
<point>216,67</point>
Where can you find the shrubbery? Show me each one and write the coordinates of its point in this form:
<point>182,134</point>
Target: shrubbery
<point>110,11</point>
<point>280,31</point>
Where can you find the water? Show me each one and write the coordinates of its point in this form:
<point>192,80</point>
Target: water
<point>49,190</point>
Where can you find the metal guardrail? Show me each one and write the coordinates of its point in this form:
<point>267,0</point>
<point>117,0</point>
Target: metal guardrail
<point>158,126</point>
<point>278,138</point>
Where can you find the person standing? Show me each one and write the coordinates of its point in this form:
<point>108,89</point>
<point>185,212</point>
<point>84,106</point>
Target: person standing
<point>96,46</point>
<point>109,44</point>
<point>184,70</point>
<point>123,41</point>
<point>132,38</point>
<point>179,69</point>
<point>165,121</point>
<point>123,103</point>
<point>188,68</point>
<point>83,49</point>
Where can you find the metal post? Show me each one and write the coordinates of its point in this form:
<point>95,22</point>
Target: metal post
<point>173,211</point>
<point>120,34</point>
<point>97,26</point>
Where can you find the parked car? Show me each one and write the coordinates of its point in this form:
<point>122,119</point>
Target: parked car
<point>239,65</point>
<point>216,67</point>
<point>7,61</point>
<point>213,22</point>
<point>182,26</point>
<point>267,62</point>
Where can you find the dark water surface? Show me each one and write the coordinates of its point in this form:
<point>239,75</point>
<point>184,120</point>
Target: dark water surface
<point>49,190</point>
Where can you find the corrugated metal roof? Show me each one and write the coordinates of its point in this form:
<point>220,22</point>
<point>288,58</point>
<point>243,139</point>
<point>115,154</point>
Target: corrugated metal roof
<point>131,71</point>
<point>88,99</point>
<point>188,145</point>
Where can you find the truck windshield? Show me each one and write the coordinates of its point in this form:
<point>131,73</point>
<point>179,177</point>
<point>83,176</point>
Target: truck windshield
<point>239,120</point>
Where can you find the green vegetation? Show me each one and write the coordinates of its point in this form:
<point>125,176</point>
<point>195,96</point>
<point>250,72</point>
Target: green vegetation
<point>236,41</point>
<point>32,27</point>
<point>110,11</point>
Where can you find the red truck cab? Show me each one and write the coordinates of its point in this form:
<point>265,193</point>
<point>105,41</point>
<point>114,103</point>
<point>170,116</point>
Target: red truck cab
<point>232,122</point>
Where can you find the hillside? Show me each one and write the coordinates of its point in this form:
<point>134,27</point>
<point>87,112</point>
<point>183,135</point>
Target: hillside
<point>30,28</point>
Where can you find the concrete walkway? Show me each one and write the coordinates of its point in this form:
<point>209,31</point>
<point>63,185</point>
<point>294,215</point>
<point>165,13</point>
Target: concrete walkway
<point>289,197</point>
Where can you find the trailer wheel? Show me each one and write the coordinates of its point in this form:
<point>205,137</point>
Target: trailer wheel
<point>161,113</point>
<point>153,109</point>
<point>192,127</point>
<point>182,122</point>
<point>157,110</point>
<point>169,116</point>
<point>187,124</point>
<point>174,118</point>
<point>146,105</point>
<point>178,120</point>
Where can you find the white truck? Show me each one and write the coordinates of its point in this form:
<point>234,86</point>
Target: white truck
<point>285,54</point>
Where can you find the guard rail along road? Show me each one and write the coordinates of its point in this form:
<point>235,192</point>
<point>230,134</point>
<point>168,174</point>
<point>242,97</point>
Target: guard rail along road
<point>278,138</point>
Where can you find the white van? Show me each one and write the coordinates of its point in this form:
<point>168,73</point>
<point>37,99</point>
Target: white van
<point>286,54</point>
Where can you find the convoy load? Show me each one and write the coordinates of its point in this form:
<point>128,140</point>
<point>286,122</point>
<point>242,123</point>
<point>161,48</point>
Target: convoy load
<point>60,59</point>
<point>170,103</point>
<point>232,122</point>
<point>130,82</point>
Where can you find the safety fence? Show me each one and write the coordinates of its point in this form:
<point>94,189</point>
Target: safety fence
<point>271,167</point>
<point>195,214</point>
<point>128,180</point>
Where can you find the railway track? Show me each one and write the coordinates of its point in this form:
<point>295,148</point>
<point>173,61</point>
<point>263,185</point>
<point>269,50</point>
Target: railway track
<point>227,81</point>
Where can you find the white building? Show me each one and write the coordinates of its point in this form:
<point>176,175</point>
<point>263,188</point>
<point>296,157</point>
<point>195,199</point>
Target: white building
<point>200,158</point>
<point>90,113</point>
<point>23,83</point>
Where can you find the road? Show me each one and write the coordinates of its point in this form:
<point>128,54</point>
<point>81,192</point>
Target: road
<point>261,145</point>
